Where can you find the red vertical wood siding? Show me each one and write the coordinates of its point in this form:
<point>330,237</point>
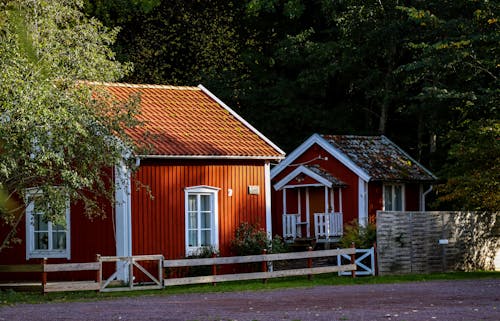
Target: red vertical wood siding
<point>158,222</point>
<point>339,170</point>
<point>375,200</point>
<point>88,238</point>
<point>412,197</point>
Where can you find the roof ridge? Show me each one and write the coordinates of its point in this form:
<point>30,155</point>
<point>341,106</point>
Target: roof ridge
<point>348,135</point>
<point>128,85</point>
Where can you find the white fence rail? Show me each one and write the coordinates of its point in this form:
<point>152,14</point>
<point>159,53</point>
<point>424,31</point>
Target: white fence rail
<point>328,225</point>
<point>264,258</point>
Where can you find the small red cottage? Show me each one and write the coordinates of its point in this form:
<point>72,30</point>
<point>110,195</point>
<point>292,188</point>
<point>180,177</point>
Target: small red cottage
<point>331,180</point>
<point>208,170</point>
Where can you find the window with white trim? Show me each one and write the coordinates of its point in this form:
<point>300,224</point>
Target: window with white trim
<point>201,218</point>
<point>394,197</point>
<point>45,239</point>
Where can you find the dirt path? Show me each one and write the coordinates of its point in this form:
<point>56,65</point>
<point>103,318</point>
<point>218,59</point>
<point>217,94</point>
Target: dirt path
<point>472,300</point>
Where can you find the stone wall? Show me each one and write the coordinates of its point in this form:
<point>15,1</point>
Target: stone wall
<point>426,242</point>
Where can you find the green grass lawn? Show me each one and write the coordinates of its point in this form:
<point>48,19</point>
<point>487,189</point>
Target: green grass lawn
<point>9,297</point>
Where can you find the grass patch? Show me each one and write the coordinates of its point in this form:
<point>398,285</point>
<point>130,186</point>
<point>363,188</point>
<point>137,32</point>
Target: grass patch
<point>10,297</point>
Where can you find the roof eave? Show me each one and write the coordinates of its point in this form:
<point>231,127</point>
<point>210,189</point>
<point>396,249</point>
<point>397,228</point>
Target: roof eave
<point>411,159</point>
<point>335,152</point>
<point>220,157</point>
<point>243,121</point>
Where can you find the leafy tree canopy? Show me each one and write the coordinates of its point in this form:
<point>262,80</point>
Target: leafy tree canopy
<point>55,135</point>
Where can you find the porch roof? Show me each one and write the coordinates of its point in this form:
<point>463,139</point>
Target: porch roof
<point>309,175</point>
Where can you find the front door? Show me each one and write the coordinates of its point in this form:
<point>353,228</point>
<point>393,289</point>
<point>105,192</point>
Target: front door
<point>316,204</point>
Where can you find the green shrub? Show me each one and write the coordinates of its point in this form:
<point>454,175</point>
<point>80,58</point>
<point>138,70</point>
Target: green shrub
<point>249,239</point>
<point>362,236</point>
<point>202,252</point>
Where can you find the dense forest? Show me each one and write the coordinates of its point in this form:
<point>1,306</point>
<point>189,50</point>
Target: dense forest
<point>423,73</point>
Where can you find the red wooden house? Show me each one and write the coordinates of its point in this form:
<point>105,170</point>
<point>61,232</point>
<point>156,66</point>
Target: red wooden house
<point>329,181</point>
<point>207,170</point>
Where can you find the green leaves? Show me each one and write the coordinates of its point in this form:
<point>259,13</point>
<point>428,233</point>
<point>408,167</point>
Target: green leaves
<point>55,135</point>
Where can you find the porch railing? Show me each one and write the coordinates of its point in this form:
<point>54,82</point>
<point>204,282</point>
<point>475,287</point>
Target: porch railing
<point>328,225</point>
<point>290,222</point>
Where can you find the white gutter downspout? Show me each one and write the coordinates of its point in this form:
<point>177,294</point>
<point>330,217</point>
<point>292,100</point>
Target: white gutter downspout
<point>267,188</point>
<point>422,204</point>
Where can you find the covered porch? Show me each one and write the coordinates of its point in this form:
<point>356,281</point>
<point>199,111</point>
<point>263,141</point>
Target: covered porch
<point>312,205</point>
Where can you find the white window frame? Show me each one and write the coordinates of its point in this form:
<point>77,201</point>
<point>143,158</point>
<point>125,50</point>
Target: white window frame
<point>213,192</point>
<point>31,252</point>
<point>393,196</point>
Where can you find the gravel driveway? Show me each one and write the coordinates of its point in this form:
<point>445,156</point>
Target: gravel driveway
<point>472,300</point>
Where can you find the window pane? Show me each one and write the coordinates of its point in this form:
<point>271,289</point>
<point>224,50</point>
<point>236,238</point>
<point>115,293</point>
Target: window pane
<point>40,224</point>
<point>205,202</point>
<point>398,198</point>
<point>205,220</point>
<point>59,240</point>
<point>41,241</point>
<point>388,198</point>
<point>193,238</point>
<point>193,220</point>
<point>206,240</point>
<point>192,203</point>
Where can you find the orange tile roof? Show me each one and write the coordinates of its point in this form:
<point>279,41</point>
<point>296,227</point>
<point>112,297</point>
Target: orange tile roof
<point>191,122</point>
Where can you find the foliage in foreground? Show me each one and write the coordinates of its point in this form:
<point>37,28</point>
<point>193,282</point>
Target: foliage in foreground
<point>249,239</point>
<point>55,136</point>
<point>363,237</point>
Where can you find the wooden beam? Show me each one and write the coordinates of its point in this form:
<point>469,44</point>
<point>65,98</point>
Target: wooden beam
<point>257,258</point>
<point>258,275</point>
<point>67,267</point>
<point>71,286</point>
<point>21,268</point>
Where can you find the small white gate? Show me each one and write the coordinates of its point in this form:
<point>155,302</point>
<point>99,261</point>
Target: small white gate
<point>129,263</point>
<point>362,255</point>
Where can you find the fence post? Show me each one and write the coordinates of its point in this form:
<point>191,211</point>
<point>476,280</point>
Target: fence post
<point>309,262</point>
<point>353,260</point>
<point>99,271</point>
<point>264,265</point>
<point>375,259</point>
<point>214,268</point>
<point>130,259</point>
<point>44,275</point>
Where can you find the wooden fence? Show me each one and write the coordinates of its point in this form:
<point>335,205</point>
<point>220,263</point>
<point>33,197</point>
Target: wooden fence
<point>129,264</point>
<point>59,286</point>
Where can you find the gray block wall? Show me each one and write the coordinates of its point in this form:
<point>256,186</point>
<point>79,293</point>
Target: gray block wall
<point>409,242</point>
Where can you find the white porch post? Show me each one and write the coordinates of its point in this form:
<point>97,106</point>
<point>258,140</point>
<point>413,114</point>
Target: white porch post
<point>340,201</point>
<point>308,211</point>
<point>332,199</point>
<point>326,199</point>
<point>123,219</point>
<point>327,217</point>
<point>283,218</point>
<point>267,187</point>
